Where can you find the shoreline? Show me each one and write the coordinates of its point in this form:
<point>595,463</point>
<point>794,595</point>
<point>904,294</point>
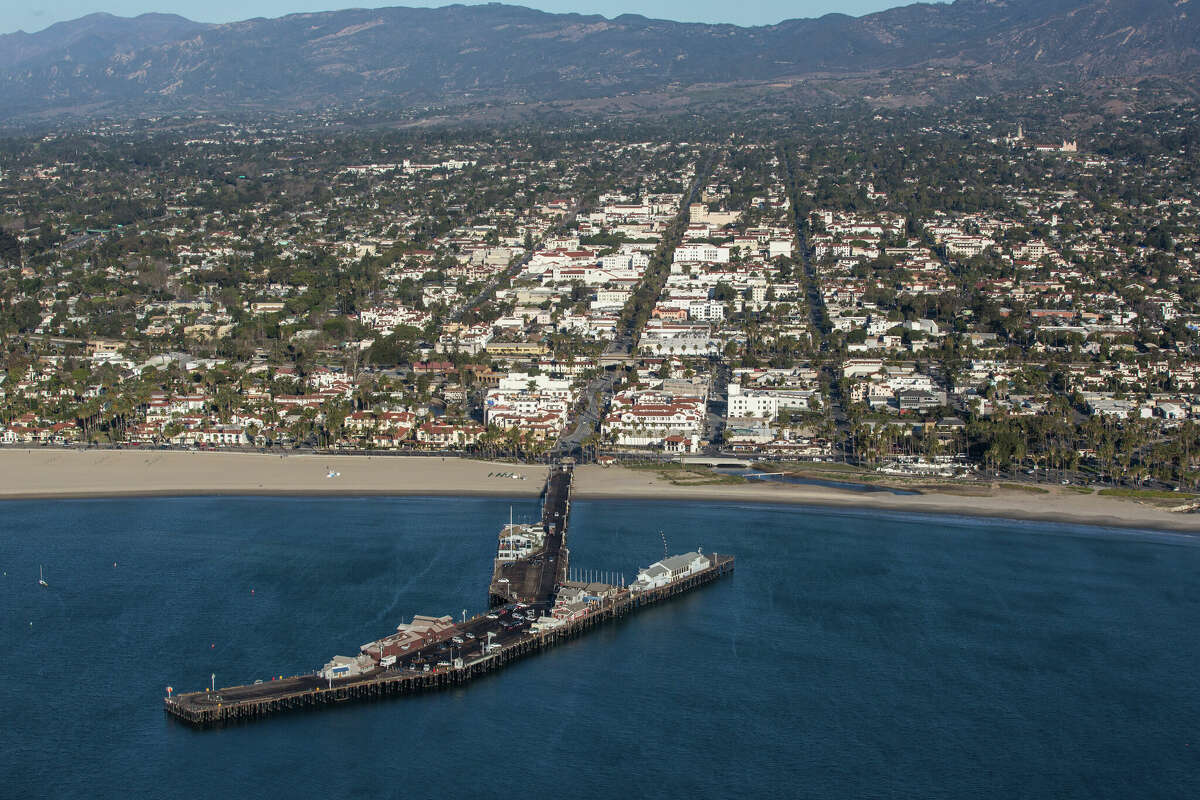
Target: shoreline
<point>941,507</point>
<point>53,474</point>
<point>999,503</point>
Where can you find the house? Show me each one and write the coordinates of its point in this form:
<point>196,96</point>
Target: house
<point>100,348</point>
<point>1171,410</point>
<point>914,399</point>
<point>677,443</point>
<point>449,434</point>
<point>224,435</point>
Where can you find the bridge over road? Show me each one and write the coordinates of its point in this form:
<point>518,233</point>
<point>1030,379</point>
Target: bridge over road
<point>715,461</point>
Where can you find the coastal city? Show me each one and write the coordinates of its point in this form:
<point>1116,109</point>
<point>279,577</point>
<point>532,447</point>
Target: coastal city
<point>775,400</point>
<point>951,296</point>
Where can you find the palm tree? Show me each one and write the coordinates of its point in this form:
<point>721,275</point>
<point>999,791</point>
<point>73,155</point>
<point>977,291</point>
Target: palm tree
<point>592,441</point>
<point>512,440</point>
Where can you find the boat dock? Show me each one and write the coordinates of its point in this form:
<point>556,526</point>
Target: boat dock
<point>535,609</point>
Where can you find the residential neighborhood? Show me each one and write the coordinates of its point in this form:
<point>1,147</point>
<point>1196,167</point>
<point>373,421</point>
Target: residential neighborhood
<point>975,294</point>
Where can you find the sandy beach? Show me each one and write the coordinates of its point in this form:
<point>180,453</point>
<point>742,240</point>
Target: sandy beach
<point>47,473</point>
<point>1056,505</point>
<point>51,473</point>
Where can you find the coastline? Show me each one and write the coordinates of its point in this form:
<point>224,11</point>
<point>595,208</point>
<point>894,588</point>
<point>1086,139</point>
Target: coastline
<point>1054,506</point>
<point>46,474</point>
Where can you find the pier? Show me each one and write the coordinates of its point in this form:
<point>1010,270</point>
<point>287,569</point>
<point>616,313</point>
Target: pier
<point>476,646</point>
<point>533,579</point>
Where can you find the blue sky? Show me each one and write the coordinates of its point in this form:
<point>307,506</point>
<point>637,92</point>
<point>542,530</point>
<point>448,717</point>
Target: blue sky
<point>34,16</point>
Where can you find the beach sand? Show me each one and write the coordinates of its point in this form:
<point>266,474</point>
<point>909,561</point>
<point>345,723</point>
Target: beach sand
<point>1056,505</point>
<point>54,473</point>
<point>42,473</point>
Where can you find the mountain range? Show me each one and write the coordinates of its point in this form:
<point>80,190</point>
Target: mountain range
<point>412,57</point>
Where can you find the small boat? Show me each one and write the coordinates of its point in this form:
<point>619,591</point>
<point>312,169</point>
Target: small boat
<point>42,578</point>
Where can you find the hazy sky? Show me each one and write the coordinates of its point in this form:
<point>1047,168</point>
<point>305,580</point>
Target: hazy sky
<point>34,16</point>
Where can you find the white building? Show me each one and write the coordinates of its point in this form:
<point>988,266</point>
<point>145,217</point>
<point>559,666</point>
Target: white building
<point>518,541</point>
<point>707,310</point>
<point>779,247</point>
<point>661,573</point>
<point>697,253</point>
<point>347,666</point>
<point>766,403</point>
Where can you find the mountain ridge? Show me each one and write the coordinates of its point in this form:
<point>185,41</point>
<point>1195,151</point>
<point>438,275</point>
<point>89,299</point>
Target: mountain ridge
<point>103,64</point>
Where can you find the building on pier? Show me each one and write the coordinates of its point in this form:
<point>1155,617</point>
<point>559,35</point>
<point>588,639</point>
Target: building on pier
<point>347,667</point>
<point>519,541</point>
<point>242,703</point>
<point>660,573</point>
<point>587,592</point>
<point>421,632</point>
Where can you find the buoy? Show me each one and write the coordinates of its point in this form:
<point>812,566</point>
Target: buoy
<point>251,591</point>
<point>211,646</point>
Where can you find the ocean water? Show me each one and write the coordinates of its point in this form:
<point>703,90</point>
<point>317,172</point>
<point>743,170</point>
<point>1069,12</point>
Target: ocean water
<point>851,654</point>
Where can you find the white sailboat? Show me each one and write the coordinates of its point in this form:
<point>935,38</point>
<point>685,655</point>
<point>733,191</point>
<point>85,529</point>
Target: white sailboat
<point>41,578</point>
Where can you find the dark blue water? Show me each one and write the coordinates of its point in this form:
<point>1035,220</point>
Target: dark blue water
<point>850,655</point>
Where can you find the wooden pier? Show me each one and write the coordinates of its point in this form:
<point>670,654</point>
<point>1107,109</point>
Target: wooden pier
<point>488,642</point>
<point>245,703</point>
<point>534,578</point>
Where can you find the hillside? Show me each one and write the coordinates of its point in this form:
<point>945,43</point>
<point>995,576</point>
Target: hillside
<point>410,57</point>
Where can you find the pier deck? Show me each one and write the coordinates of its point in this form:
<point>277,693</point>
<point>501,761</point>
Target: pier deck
<point>535,578</point>
<point>522,595</point>
<point>241,703</point>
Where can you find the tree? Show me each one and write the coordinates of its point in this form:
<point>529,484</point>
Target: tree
<point>724,293</point>
<point>26,315</point>
<point>10,248</point>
